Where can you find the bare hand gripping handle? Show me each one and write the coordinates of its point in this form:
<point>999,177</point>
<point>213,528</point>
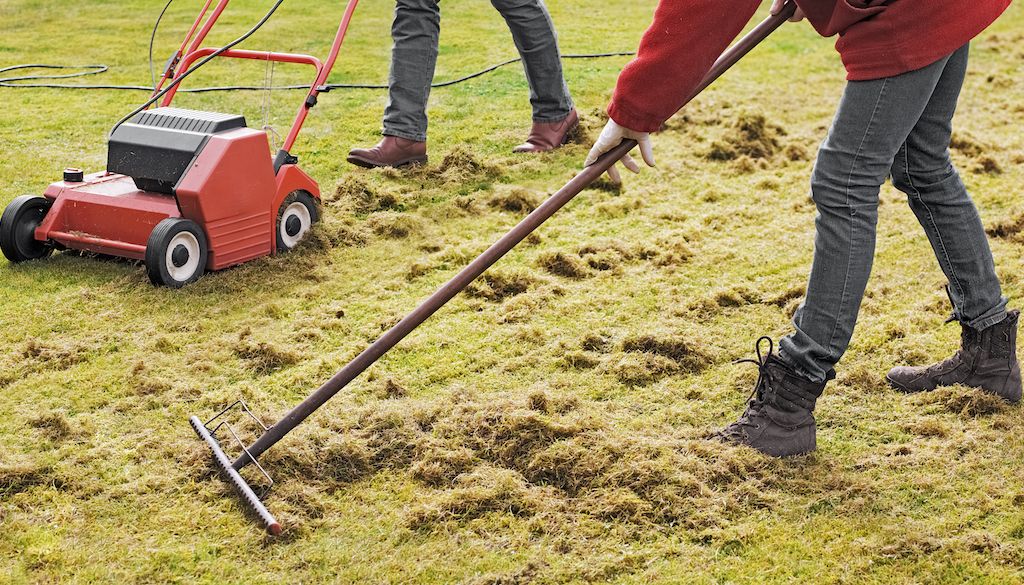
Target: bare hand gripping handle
<point>500,248</point>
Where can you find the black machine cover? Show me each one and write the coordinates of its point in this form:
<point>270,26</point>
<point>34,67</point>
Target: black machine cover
<point>156,147</point>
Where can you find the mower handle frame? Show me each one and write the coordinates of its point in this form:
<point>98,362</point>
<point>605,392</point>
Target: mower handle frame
<point>184,59</point>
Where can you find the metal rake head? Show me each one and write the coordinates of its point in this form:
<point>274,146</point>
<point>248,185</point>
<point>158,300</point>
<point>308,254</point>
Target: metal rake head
<point>250,499</point>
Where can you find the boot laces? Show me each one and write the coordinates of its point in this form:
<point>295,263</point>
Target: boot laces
<point>756,398</point>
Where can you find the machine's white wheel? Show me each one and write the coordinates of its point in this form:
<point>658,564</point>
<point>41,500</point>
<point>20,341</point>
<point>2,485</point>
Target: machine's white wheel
<point>176,254</point>
<point>182,256</point>
<point>296,217</point>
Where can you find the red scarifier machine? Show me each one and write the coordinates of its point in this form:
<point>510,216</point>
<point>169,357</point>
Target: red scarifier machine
<point>184,191</point>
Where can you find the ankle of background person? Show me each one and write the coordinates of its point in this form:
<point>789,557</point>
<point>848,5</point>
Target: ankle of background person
<point>554,118</point>
<point>415,137</point>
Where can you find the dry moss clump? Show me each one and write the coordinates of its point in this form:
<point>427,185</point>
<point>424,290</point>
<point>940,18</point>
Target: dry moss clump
<point>735,297</point>
<point>54,356</point>
<point>672,250</point>
<point>580,360</point>
<point>564,265</point>
<point>334,233</point>
<point>394,226</point>
<point>462,166</point>
<point>265,358</point>
<point>967,145</point>
<point>969,402</point>
<point>1008,229</point>
<point>21,476</point>
<point>54,426</point>
<point>440,464</point>
<point>784,298</point>
<point>598,342</point>
<point>487,489</point>
<point>986,165</point>
<point>537,455</point>
<point>641,369</point>
<point>683,352</point>
<point>608,254</point>
<point>751,136</point>
<point>496,286</point>
<point>515,200</point>
<point>355,194</point>
<point>392,390</point>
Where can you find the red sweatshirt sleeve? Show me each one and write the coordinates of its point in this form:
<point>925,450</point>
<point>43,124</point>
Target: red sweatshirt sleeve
<point>675,54</point>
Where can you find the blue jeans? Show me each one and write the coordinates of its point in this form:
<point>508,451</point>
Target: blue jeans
<point>416,30</point>
<point>895,127</point>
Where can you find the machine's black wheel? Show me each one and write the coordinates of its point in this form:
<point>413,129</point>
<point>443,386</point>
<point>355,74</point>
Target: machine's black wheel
<point>298,213</point>
<point>176,253</point>
<point>18,226</point>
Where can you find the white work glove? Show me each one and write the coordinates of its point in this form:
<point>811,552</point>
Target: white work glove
<point>612,136</point>
<point>777,7</point>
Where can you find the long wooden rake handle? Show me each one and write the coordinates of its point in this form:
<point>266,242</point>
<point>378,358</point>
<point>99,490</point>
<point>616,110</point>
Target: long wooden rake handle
<point>446,293</point>
<point>509,241</point>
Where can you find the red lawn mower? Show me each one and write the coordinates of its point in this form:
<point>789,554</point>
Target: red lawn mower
<point>185,191</point>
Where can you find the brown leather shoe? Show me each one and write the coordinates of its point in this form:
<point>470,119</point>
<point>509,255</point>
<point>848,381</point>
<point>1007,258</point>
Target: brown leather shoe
<point>549,136</point>
<point>390,152</point>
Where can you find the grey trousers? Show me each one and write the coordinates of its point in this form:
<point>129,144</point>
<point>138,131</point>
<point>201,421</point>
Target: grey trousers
<point>415,32</point>
<point>895,127</point>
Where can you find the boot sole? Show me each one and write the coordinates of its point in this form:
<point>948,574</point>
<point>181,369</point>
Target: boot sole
<point>903,389</point>
<point>371,164</point>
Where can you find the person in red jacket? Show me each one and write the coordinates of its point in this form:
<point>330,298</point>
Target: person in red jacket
<point>905,64</point>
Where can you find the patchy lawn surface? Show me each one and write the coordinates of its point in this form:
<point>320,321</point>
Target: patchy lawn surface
<point>546,427</point>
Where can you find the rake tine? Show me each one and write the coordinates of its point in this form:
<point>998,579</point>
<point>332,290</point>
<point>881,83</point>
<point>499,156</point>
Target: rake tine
<point>249,497</point>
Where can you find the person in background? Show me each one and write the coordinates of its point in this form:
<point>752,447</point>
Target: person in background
<point>415,32</point>
<point>905,63</point>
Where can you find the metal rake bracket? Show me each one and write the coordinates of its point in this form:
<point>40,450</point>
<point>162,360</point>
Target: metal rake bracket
<point>249,496</point>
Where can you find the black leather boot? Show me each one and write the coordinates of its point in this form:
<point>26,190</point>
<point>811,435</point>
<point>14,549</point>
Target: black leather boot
<point>987,359</point>
<point>779,419</point>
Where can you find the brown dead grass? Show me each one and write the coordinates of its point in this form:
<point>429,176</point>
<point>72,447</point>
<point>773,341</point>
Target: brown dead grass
<point>265,358</point>
<point>541,454</point>
<point>354,194</point>
<point>17,477</point>
<point>968,402</point>
<point>1008,229</point>
<point>394,226</point>
<point>751,136</point>
<point>496,286</point>
<point>515,200</point>
<point>53,426</point>
<point>564,265</point>
<point>684,352</point>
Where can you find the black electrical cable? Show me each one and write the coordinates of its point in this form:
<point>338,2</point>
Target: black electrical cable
<point>152,40</point>
<point>10,82</point>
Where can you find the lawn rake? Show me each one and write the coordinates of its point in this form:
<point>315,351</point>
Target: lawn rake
<point>272,435</point>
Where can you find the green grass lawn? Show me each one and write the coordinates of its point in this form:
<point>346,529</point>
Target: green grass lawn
<point>549,426</point>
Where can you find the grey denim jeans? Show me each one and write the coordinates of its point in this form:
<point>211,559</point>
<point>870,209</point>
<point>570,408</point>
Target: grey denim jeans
<point>897,127</point>
<point>416,30</point>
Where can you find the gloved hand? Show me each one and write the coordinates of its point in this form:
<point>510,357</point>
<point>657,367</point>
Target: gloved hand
<point>612,136</point>
<point>777,6</point>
